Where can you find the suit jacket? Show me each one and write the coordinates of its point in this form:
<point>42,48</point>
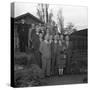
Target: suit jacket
<point>35,40</point>
<point>23,30</point>
<point>45,49</point>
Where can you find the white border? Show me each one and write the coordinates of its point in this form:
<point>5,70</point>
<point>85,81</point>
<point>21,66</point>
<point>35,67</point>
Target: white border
<point>5,43</point>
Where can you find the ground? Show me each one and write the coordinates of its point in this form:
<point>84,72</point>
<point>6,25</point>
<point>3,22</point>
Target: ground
<point>52,80</point>
<point>65,79</point>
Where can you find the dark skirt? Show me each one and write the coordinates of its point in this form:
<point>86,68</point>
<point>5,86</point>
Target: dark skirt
<point>60,61</point>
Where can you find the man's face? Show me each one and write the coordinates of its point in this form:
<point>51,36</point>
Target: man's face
<point>33,26</point>
<point>22,21</point>
<point>67,38</point>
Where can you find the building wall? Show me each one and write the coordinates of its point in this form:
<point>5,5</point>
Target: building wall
<point>79,43</point>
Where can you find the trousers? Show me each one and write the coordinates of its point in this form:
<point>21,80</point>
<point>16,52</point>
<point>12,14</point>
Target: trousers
<point>46,65</point>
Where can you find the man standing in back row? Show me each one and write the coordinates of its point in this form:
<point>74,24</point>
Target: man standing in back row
<point>23,29</point>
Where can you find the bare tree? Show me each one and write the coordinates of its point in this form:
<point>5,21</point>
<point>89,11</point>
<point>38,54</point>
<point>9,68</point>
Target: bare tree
<point>70,28</point>
<point>42,12</point>
<point>60,21</point>
<point>46,12</point>
<point>45,16</point>
<point>50,17</point>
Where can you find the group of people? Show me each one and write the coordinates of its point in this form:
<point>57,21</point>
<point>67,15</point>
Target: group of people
<point>54,53</point>
<point>52,50</point>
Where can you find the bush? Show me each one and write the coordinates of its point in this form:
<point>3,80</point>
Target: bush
<point>21,61</point>
<point>29,77</point>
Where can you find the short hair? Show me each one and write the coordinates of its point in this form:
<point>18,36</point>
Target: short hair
<point>22,20</point>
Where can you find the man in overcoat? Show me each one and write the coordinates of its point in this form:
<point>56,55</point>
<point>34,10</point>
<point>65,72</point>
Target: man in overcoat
<point>23,29</point>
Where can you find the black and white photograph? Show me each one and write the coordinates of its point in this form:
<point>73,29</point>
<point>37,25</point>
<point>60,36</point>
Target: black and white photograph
<point>49,44</point>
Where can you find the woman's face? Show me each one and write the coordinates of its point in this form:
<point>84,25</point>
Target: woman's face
<point>37,26</point>
<point>41,35</point>
<point>61,37</point>
<point>47,31</point>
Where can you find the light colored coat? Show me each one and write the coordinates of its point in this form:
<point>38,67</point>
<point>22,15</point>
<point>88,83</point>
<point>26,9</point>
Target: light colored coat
<point>45,49</point>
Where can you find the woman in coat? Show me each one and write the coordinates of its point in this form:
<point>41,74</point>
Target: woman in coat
<point>68,52</point>
<point>54,54</point>
<point>60,60</point>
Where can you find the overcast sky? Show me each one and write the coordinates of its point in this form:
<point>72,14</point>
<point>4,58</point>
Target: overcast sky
<point>75,14</point>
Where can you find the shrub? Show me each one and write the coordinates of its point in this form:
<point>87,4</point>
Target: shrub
<point>29,77</point>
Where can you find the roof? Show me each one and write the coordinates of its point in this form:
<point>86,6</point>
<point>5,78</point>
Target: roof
<point>29,15</point>
<point>83,33</point>
<point>80,39</point>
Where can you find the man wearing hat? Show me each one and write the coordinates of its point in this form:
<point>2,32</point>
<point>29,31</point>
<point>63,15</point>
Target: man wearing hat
<point>23,29</point>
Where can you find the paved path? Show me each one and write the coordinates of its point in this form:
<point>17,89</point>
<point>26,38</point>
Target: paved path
<point>66,79</point>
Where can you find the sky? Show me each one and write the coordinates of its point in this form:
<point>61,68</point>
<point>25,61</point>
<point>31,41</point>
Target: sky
<point>78,15</point>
